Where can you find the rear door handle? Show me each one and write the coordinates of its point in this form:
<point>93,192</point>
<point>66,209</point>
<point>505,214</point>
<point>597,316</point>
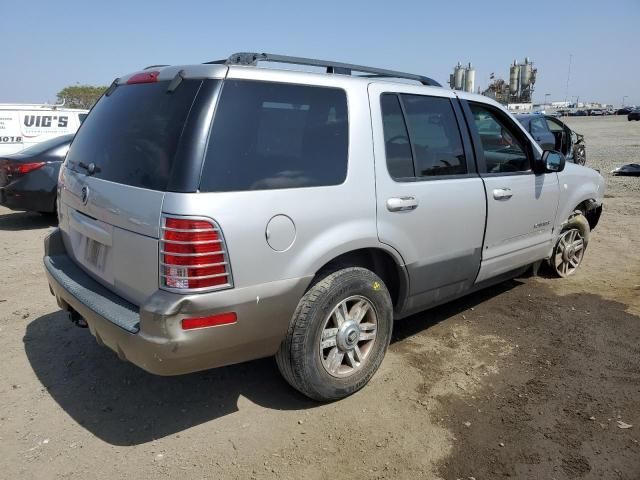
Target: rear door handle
<point>402,204</point>
<point>502,193</point>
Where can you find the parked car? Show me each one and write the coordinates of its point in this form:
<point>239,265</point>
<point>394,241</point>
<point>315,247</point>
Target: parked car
<point>28,180</point>
<point>213,214</point>
<point>553,134</point>
<point>624,111</point>
<point>634,114</point>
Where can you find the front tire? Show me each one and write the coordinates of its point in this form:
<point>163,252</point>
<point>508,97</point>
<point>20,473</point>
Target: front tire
<point>338,335</point>
<point>570,247</point>
<point>580,155</point>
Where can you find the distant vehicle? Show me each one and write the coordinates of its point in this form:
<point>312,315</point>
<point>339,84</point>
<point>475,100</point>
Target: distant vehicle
<point>552,134</point>
<point>630,169</point>
<point>596,112</point>
<point>29,179</point>
<point>24,125</point>
<point>634,114</point>
<point>579,113</point>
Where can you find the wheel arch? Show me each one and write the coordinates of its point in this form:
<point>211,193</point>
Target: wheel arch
<point>387,265</point>
<point>591,210</point>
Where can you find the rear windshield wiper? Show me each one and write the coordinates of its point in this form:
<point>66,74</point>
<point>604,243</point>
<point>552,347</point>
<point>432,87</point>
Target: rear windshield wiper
<point>91,168</point>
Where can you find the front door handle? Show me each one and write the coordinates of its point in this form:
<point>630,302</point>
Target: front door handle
<point>502,193</point>
<point>402,204</point>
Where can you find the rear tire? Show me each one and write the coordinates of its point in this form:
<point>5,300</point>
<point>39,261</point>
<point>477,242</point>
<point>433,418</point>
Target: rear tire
<point>338,335</point>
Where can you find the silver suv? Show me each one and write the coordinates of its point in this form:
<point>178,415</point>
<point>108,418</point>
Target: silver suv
<point>217,213</point>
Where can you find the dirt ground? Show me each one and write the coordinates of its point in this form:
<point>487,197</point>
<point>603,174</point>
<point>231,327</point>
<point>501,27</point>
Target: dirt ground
<point>534,378</point>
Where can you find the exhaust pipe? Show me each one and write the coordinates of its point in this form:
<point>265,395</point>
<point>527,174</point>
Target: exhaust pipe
<point>77,319</point>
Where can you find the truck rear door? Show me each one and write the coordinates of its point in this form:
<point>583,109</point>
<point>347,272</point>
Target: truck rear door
<point>430,199</point>
<point>132,148</point>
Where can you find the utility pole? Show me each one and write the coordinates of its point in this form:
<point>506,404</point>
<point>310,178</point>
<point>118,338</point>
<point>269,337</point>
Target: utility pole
<point>626,96</point>
<point>566,93</point>
<point>546,95</point>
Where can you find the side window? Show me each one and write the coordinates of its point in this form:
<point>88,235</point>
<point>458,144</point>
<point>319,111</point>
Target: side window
<point>422,141</point>
<point>396,139</point>
<point>434,133</point>
<point>269,135</point>
<point>554,126</point>
<point>538,126</point>
<point>503,151</point>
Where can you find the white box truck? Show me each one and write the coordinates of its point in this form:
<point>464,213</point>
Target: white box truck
<point>23,125</point>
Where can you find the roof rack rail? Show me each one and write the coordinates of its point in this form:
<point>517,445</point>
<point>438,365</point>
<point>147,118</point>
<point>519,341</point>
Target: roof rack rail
<point>252,58</point>
<point>155,66</point>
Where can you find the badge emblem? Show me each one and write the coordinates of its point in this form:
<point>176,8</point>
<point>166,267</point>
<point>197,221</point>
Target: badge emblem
<point>85,195</point>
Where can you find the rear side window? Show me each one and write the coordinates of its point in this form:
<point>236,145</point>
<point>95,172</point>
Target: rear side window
<point>422,138</point>
<point>133,134</point>
<point>437,144</point>
<point>270,135</point>
<point>396,138</point>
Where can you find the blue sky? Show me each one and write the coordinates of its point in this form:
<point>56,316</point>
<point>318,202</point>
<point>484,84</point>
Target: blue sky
<point>48,45</point>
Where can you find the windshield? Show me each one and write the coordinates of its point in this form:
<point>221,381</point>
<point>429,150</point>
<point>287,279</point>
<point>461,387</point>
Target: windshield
<point>46,145</point>
<point>133,134</point>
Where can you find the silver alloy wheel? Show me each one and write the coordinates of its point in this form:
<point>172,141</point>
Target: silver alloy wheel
<point>568,252</point>
<point>348,335</point>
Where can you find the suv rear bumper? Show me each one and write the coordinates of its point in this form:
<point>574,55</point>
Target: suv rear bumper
<point>151,335</point>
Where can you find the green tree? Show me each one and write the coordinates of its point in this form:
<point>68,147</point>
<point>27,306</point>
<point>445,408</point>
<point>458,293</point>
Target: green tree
<point>80,96</point>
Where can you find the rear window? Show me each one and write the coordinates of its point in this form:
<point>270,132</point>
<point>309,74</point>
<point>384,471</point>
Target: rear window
<point>270,135</point>
<point>133,134</point>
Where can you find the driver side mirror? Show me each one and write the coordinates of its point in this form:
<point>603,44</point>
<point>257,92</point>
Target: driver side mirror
<point>553,161</point>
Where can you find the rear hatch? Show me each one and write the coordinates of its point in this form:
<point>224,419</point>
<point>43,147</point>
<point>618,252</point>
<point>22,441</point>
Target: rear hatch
<point>139,141</point>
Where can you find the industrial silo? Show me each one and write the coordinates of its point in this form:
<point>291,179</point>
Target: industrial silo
<point>525,74</point>
<point>458,76</point>
<point>514,75</point>
<point>469,79</point>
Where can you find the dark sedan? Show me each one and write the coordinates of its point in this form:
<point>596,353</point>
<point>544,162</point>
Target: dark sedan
<point>29,179</point>
<point>552,134</point>
<point>634,114</point>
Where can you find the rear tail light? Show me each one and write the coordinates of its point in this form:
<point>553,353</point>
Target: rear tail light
<point>15,168</point>
<point>193,256</point>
